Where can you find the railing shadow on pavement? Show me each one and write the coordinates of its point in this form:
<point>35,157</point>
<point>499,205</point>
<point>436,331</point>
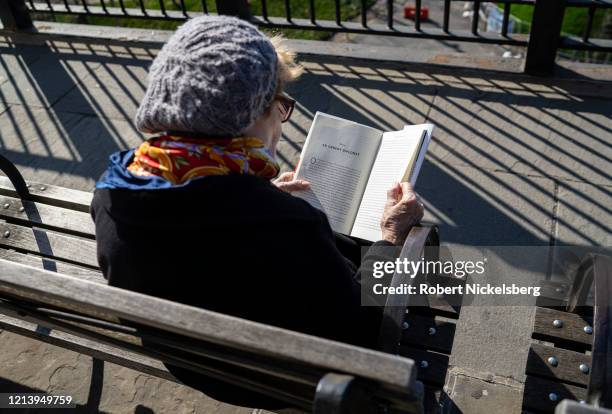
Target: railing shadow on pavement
<point>68,104</point>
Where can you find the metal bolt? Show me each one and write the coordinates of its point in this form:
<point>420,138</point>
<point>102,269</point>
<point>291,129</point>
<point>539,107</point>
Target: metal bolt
<point>582,402</point>
<point>424,364</point>
<point>553,361</point>
<point>21,209</point>
<point>553,397</point>
<point>558,323</point>
<point>584,368</point>
<point>6,205</point>
<point>43,188</point>
<point>432,331</point>
<point>405,325</point>
<point>7,233</point>
<point>28,185</point>
<point>559,290</point>
<point>588,330</point>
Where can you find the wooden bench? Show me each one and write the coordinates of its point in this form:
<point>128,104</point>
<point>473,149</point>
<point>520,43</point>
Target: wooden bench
<point>51,289</point>
<point>572,355</point>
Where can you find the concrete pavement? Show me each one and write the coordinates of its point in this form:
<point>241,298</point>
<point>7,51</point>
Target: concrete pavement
<point>515,160</point>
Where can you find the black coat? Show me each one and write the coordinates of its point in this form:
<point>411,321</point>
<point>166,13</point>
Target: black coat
<point>237,245</point>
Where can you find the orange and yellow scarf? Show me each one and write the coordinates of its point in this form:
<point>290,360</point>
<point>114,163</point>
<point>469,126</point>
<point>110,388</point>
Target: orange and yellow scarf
<point>180,159</point>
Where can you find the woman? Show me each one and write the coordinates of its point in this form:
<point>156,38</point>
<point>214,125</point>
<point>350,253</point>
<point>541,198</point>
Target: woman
<point>192,215</point>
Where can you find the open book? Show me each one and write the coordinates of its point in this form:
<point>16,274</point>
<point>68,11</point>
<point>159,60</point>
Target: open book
<point>351,166</point>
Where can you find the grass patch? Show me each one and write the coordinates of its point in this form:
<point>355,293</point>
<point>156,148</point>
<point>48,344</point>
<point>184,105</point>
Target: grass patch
<point>574,19</point>
<point>325,10</point>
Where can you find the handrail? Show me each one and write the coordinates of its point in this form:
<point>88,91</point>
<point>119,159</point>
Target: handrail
<point>545,37</point>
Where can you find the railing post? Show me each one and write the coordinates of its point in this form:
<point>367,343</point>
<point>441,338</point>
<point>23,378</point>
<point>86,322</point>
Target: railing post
<point>544,37</point>
<point>14,15</point>
<point>238,8</point>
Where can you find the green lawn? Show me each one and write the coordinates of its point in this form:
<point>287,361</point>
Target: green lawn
<point>325,10</point>
<point>574,20</point>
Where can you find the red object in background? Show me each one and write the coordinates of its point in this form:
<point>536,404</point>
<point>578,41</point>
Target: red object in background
<point>410,12</point>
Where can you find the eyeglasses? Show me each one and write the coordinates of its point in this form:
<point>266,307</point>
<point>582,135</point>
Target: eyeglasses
<point>286,106</point>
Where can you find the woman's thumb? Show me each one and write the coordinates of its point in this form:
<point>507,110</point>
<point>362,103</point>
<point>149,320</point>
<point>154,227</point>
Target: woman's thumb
<point>393,194</point>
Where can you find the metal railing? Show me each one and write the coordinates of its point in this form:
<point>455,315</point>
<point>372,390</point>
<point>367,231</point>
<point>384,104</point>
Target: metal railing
<point>542,43</point>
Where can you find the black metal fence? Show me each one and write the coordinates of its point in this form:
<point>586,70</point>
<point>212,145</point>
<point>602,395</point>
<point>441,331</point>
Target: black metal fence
<point>542,43</point>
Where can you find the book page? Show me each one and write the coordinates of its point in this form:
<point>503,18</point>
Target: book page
<point>400,152</point>
<point>336,160</point>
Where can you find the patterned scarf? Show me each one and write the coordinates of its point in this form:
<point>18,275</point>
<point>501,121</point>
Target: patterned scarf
<point>179,159</point>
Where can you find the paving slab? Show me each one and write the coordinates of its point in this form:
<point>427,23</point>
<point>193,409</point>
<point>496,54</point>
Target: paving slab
<point>559,136</point>
<point>62,148</point>
<point>584,214</point>
<point>487,208</point>
<point>41,82</point>
<point>95,387</point>
<point>113,90</point>
<point>465,394</point>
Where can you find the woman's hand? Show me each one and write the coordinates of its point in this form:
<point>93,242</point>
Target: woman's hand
<point>402,211</point>
<point>288,183</point>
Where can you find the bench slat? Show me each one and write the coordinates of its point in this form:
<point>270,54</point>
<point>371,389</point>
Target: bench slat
<point>51,194</point>
<point>419,333</point>
<point>57,218</point>
<point>435,370</point>
<point>391,371</point>
<point>568,363</point>
<point>552,294</point>
<point>571,331</point>
<point>52,265</point>
<point>49,244</point>
<point>538,391</point>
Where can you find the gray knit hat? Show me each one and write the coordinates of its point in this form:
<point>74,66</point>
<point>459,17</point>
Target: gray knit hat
<point>214,76</point>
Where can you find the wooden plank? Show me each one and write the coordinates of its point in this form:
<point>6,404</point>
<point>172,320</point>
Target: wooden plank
<point>537,394</point>
<point>51,194</point>
<point>571,331</point>
<point>47,243</point>
<point>552,294</point>
<point>432,366</point>
<point>428,333</point>
<point>567,367</point>
<point>259,340</point>
<point>52,265</point>
<point>89,347</point>
<point>47,216</point>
